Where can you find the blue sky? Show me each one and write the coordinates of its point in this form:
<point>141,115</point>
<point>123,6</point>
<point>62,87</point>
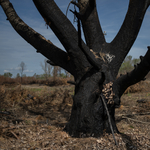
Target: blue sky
<point>14,49</point>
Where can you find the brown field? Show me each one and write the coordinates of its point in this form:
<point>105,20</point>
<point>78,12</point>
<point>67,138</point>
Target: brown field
<point>37,114</point>
<point>32,80</point>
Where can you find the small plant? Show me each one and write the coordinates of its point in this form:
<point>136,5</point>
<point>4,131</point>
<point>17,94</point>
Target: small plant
<point>129,94</point>
<point>131,126</point>
<point>148,94</point>
<point>27,122</point>
<point>36,89</point>
<point>3,109</point>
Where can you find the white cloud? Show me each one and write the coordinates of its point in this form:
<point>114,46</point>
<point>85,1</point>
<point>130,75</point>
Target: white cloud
<point>28,71</point>
<point>17,68</point>
<point>5,71</point>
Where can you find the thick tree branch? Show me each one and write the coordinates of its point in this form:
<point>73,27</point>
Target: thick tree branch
<point>58,22</point>
<point>45,47</point>
<point>129,30</point>
<point>138,74</point>
<point>65,32</point>
<point>91,26</point>
<point>91,56</point>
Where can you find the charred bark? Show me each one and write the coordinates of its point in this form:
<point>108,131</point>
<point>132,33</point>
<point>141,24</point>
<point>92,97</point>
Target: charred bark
<point>91,26</point>
<point>94,65</point>
<point>88,116</point>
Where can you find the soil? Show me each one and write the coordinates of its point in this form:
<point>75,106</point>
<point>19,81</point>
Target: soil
<point>32,117</point>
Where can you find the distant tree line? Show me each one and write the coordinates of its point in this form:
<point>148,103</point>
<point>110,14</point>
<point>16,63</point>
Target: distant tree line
<point>56,71</point>
<point>8,74</point>
<point>53,71</point>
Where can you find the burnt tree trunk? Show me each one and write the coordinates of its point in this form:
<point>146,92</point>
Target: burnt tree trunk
<point>93,64</point>
<point>88,116</point>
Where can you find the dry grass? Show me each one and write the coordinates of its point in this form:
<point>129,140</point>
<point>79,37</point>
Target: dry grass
<point>11,96</point>
<point>31,80</point>
<point>38,122</point>
<point>138,87</point>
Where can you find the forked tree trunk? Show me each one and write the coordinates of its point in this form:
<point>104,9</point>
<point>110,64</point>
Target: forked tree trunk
<point>93,64</point>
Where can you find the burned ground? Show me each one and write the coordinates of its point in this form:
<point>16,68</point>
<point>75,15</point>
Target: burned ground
<point>36,115</point>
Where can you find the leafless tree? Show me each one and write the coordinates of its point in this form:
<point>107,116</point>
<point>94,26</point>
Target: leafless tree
<point>56,72</point>
<point>94,63</point>
<point>47,68</point>
<point>22,67</point>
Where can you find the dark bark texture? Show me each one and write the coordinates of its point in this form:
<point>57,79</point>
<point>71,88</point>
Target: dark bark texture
<point>94,64</point>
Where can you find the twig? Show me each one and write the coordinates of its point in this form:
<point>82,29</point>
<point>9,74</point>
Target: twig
<point>68,7</point>
<point>109,120</point>
<point>15,135</point>
<point>76,4</point>
<point>121,115</point>
<point>135,120</point>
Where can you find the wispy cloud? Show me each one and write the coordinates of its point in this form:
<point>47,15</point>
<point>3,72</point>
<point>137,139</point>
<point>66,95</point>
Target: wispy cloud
<point>17,68</point>
<point>5,71</point>
<point>28,71</point>
<point>13,70</point>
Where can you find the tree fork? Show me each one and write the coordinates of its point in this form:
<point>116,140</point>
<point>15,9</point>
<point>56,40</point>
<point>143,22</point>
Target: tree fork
<point>67,35</point>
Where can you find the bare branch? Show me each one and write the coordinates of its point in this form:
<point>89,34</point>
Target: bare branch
<point>89,53</point>
<point>68,7</point>
<point>129,30</point>
<point>130,115</point>
<point>76,4</point>
<point>58,22</point>
<point>45,47</point>
<point>138,74</point>
<point>65,32</point>
<point>91,26</point>
<point>135,120</point>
